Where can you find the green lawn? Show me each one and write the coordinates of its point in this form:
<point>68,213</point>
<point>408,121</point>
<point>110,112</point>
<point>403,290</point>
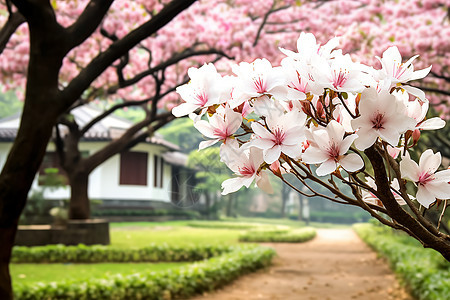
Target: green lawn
<point>127,238</point>
<point>31,273</point>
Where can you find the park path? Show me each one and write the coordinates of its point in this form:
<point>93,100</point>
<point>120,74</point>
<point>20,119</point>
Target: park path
<point>336,265</point>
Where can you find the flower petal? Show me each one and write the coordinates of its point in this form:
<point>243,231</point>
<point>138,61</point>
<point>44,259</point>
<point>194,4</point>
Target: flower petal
<point>351,162</point>
<point>327,167</point>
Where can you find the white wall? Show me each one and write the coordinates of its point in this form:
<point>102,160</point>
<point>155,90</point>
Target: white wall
<point>104,180</point>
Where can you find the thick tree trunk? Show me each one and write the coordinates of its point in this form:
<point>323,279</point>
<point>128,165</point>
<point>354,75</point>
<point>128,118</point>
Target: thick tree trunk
<point>79,205</point>
<point>16,179</point>
<point>7,241</point>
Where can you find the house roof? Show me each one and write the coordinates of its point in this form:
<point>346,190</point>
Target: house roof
<point>109,128</point>
<point>175,158</point>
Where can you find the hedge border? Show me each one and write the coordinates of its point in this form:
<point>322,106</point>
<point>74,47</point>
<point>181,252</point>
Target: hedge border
<point>97,253</point>
<point>425,271</point>
<point>278,235</point>
<point>179,283</point>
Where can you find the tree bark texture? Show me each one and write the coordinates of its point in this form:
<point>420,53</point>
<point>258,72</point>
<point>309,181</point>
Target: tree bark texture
<point>397,213</point>
<point>79,206</point>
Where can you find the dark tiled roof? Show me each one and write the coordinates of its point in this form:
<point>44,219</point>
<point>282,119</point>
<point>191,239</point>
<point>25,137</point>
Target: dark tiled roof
<point>107,129</point>
<point>8,134</point>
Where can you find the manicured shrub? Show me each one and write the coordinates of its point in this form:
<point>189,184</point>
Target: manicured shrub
<point>227,225</point>
<point>96,254</point>
<point>278,235</point>
<point>179,283</point>
<point>425,271</point>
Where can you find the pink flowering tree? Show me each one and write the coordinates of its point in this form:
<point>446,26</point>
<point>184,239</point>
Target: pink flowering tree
<point>59,55</point>
<point>323,118</point>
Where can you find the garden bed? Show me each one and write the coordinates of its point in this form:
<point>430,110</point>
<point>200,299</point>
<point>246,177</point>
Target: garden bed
<point>178,283</point>
<point>425,271</point>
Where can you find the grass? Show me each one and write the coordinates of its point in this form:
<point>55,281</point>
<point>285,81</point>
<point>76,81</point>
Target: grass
<point>32,273</point>
<point>125,238</point>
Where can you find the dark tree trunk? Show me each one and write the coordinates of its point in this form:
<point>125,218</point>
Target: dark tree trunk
<point>7,241</point>
<point>79,206</point>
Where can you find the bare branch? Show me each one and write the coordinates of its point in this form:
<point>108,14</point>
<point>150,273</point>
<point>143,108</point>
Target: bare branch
<point>14,21</point>
<point>119,48</point>
<point>87,22</point>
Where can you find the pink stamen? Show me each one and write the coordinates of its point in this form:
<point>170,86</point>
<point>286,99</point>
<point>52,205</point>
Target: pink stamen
<point>378,121</point>
<point>201,98</point>
<point>340,78</point>
<point>246,170</point>
<point>260,85</point>
<point>424,178</point>
<point>278,136</point>
<point>398,70</point>
<point>333,152</point>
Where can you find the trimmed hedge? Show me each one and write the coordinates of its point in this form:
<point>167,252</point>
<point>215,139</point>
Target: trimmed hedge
<point>180,283</point>
<point>425,271</point>
<point>97,254</point>
<point>227,225</point>
<point>278,235</point>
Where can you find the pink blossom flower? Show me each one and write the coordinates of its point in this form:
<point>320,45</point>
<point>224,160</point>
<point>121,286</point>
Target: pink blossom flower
<point>430,184</point>
<point>220,127</point>
<point>206,88</point>
<point>284,134</point>
<point>245,162</point>
<point>328,147</point>
<point>382,116</point>
<point>257,79</point>
<point>398,72</point>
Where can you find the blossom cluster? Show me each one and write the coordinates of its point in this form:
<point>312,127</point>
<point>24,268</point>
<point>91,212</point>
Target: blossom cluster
<point>318,107</point>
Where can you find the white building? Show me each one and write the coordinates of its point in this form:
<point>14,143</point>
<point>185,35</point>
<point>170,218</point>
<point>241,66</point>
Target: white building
<point>152,173</point>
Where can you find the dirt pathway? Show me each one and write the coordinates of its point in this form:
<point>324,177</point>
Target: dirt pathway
<point>336,265</point>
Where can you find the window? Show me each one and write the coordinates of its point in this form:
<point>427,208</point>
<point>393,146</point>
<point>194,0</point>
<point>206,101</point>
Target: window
<point>133,168</point>
<point>158,171</point>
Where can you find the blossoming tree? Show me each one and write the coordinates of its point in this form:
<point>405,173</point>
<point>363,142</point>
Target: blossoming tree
<point>323,118</point>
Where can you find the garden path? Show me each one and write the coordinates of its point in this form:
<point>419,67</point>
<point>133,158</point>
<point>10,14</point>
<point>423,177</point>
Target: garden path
<point>336,265</point>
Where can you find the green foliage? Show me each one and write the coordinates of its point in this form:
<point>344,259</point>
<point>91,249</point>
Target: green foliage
<point>95,254</point>
<point>226,225</point>
<point>182,133</point>
<point>177,283</point>
<point>425,271</point>
<point>278,235</point>
<point>9,104</point>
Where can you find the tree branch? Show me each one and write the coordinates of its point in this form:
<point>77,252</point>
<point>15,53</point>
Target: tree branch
<point>87,22</point>
<point>119,48</point>
<point>14,21</point>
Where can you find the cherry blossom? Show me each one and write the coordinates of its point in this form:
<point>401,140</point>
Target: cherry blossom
<point>283,134</point>
<point>431,185</point>
<point>245,162</point>
<point>220,127</point>
<point>382,116</point>
<point>206,88</point>
<point>329,147</point>
<point>257,79</point>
